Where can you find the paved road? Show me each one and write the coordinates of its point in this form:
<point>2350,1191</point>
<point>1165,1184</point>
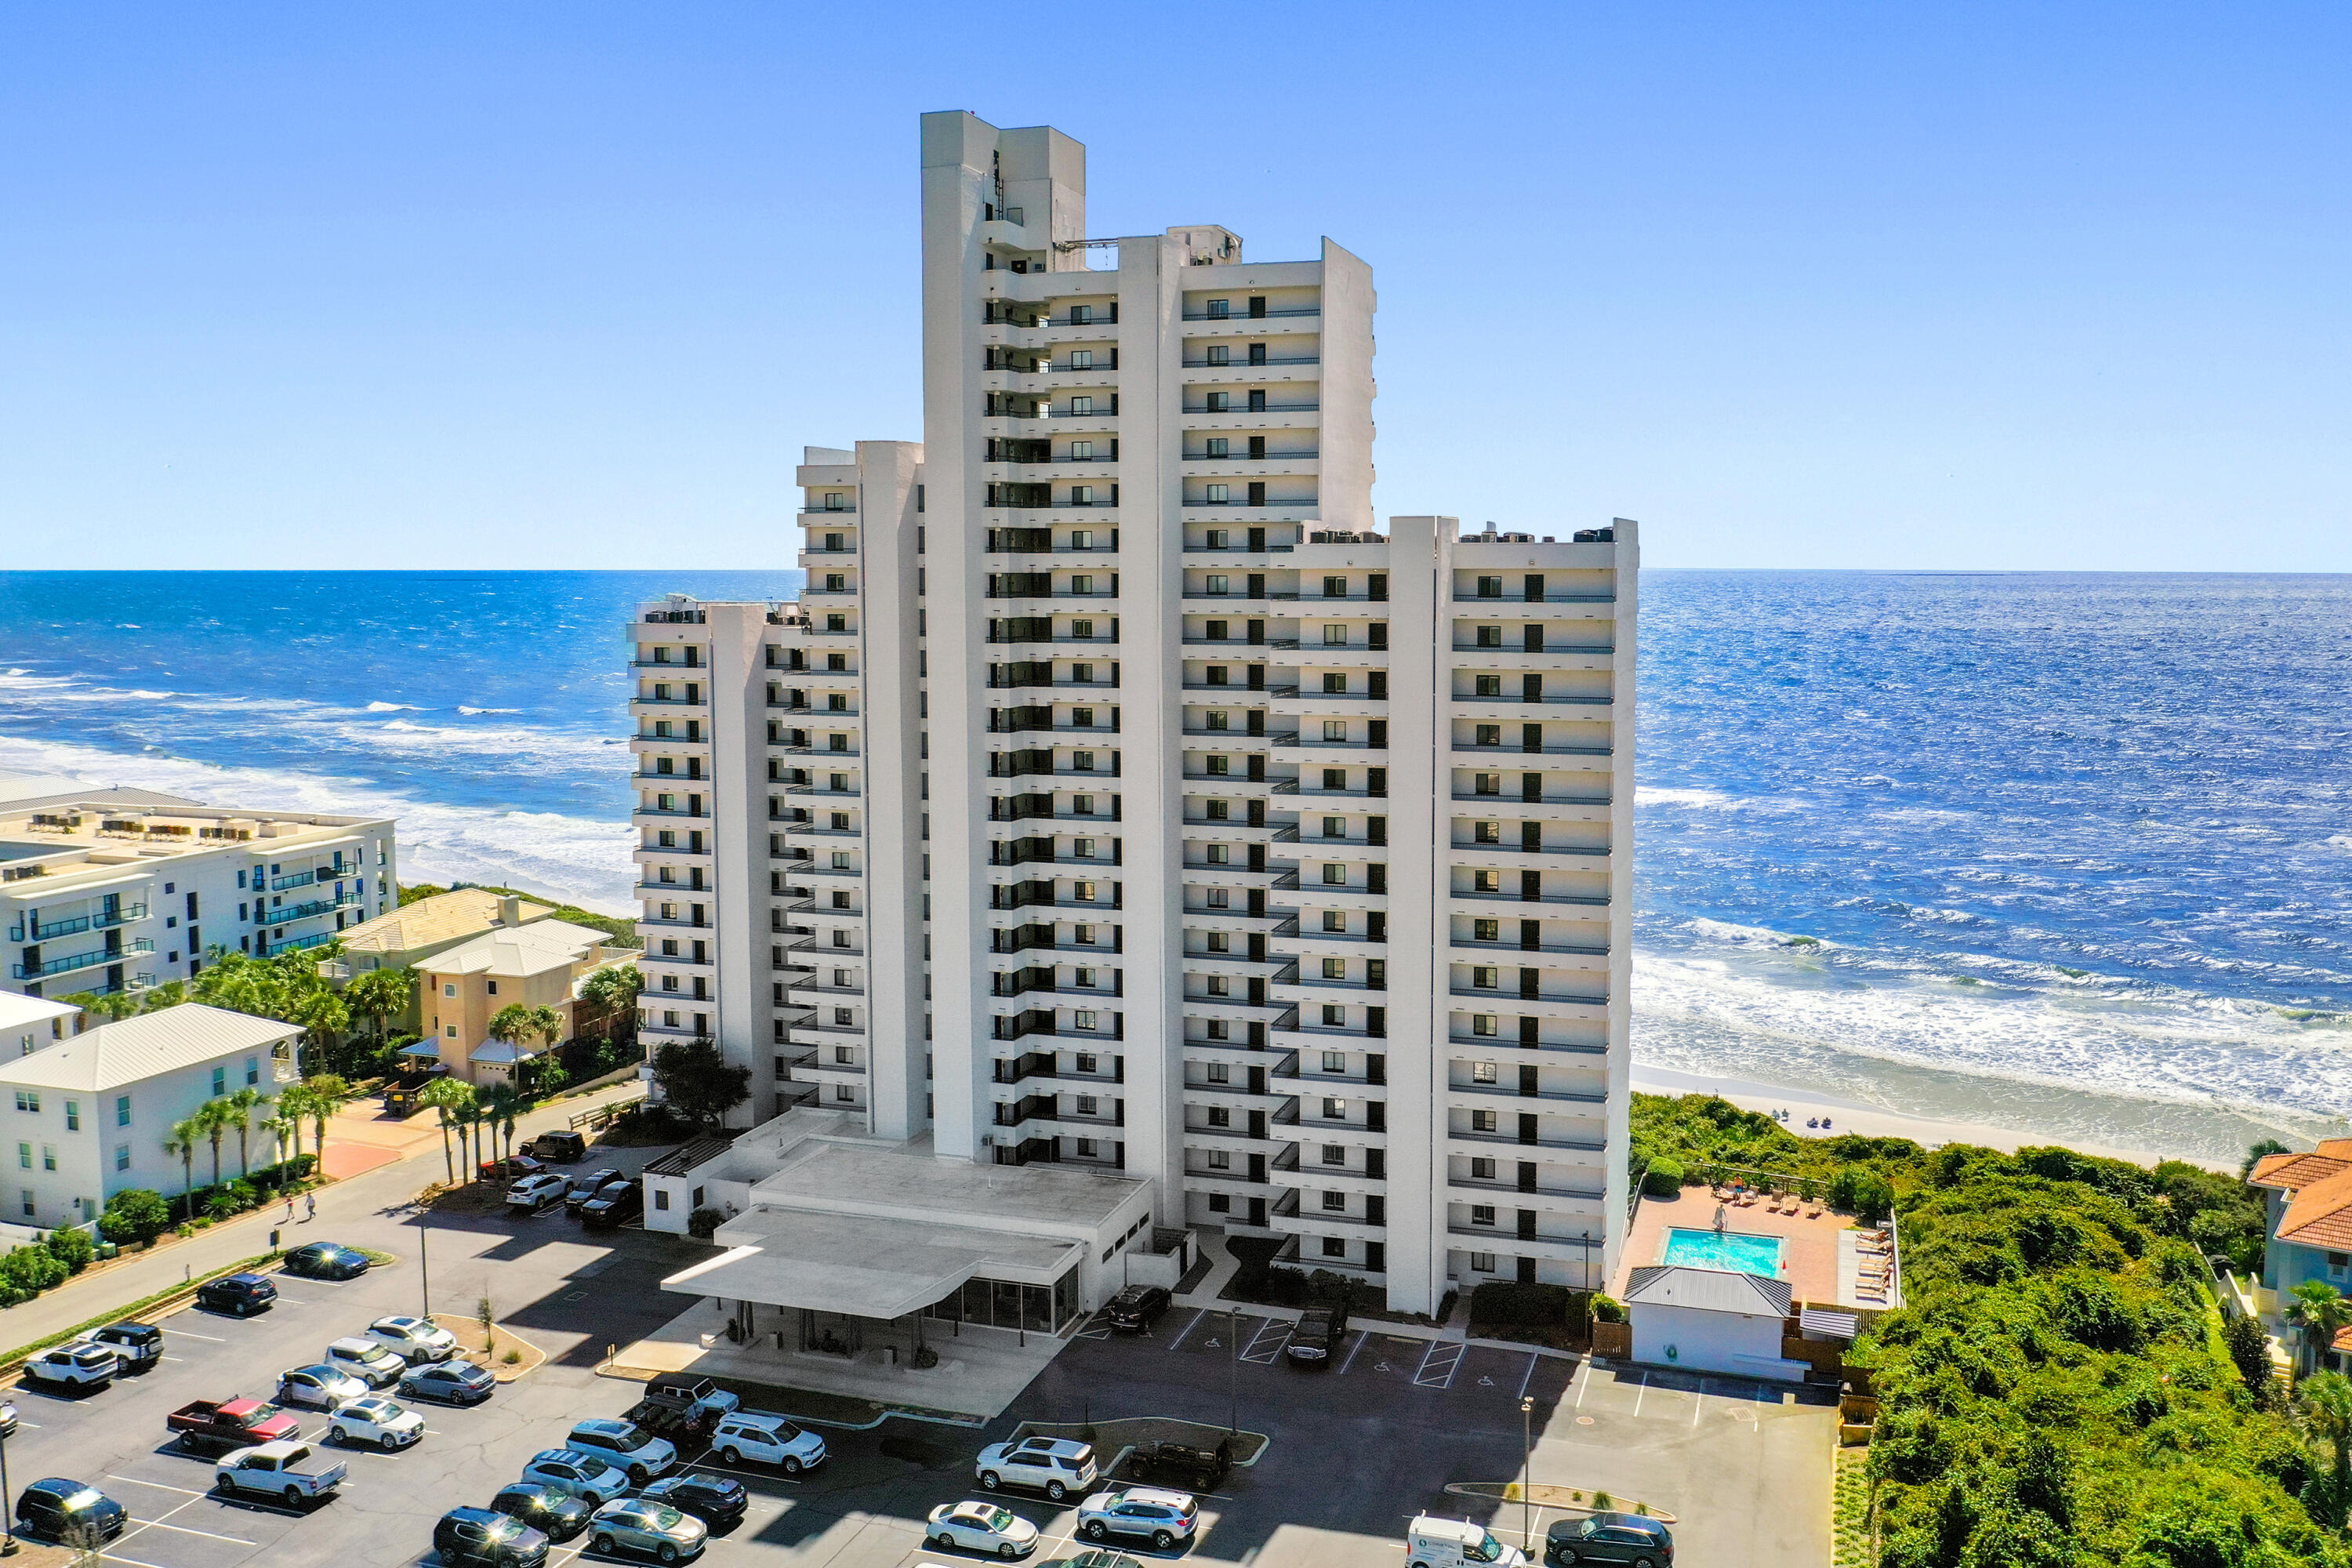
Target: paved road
<point>339,1206</point>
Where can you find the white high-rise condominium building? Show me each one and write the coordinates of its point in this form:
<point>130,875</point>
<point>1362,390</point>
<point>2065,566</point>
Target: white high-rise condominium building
<point>1119,796</point>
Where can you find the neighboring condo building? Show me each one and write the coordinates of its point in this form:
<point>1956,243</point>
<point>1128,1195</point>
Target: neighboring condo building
<point>90,1116</point>
<point>109,890</point>
<point>1118,796</point>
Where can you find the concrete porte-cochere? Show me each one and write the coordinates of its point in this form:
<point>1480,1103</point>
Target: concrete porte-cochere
<point>847,1263</point>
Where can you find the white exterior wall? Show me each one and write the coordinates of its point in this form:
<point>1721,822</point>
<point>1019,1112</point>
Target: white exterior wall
<point>1193,606</point>
<point>1707,1342</point>
<point>86,1173</point>
<point>190,899</point>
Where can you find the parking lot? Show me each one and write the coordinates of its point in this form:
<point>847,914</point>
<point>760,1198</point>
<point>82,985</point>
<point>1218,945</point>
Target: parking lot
<point>1357,1446</point>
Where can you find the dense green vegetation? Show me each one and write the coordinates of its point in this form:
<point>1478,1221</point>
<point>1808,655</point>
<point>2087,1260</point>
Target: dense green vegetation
<point>2058,1389</point>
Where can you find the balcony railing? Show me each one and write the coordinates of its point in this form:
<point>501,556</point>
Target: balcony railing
<point>285,913</point>
<point>80,960</point>
<point>45,930</point>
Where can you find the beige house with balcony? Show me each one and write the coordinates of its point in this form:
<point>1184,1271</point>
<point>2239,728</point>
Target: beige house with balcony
<point>413,934</point>
<point>537,965</point>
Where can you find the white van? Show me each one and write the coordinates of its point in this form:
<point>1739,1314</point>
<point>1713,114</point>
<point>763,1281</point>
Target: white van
<point>1451,1543</point>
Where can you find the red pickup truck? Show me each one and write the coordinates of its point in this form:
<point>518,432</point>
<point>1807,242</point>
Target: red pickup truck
<point>214,1430</point>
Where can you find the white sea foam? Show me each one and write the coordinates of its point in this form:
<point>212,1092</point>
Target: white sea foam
<point>1647,794</point>
<point>392,708</point>
<point>579,858</point>
<point>1749,1003</point>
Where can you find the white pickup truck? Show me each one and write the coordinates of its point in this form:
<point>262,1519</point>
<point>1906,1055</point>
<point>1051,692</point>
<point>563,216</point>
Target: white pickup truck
<point>286,1470</point>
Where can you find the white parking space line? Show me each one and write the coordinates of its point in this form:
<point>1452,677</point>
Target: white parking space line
<point>1178,1342</point>
<point>132,1562</point>
<point>184,1530</point>
<point>174,1358</point>
<point>1437,1365</point>
<point>1584,1382</point>
<point>1281,1332</point>
<point>1361,1335</point>
<point>1698,1403</point>
<point>1640,1392</point>
<point>776,1476</point>
<point>187,1334</point>
<point>158,1486</point>
<point>1529,1376</point>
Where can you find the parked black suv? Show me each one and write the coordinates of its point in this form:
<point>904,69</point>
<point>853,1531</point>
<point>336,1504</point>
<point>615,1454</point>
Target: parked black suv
<point>615,1205</point>
<point>545,1509</point>
<point>239,1295</point>
<point>590,1185</point>
<point>560,1148</point>
<point>1136,1308</point>
<point>1610,1538</point>
<point>479,1535</point>
<point>69,1513</point>
<point>1317,1339</point>
<point>1181,1464</point>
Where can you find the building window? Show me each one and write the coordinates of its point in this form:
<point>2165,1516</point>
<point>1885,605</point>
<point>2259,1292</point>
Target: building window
<point>1335,729</point>
<point>252,1069</point>
<point>1087,1149</point>
<point>1335,969</point>
<point>1089,1105</point>
<point>28,1100</point>
<point>1335,1061</point>
<point>1481,1072</point>
<point>1221,1160</point>
<point>842,1092</point>
<point>491,986</point>
<point>661,1197</point>
<point>49,1156</point>
<point>845,1056</point>
<point>1482,1170</point>
<point>24,1196</point>
<point>451,1032</point>
<point>1084,1020</point>
<point>1335,874</point>
<point>1335,1200</point>
<point>73,1115</point>
<point>1482,1121</point>
<point>1219,1116</point>
<point>122,1110</point>
<point>448,988</point>
<point>1485,978</point>
<point>1333,1246</point>
<point>1089,1062</point>
<point>24,1156</point>
<point>1219,1072</point>
<point>123,1156</point>
<point>1221,1203</point>
<point>1482,1023</point>
<point>1334,1110</point>
<point>1482,1213</point>
<point>1482,1263</point>
<point>1335,1154</point>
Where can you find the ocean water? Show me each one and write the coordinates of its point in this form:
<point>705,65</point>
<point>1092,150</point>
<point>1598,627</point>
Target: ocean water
<point>2066,852</point>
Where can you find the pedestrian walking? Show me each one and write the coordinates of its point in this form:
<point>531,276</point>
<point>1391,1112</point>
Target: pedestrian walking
<point>311,1211</point>
<point>290,1210</point>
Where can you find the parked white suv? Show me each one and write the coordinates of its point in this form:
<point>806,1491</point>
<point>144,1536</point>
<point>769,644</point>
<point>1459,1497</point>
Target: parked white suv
<point>766,1439</point>
<point>82,1365</point>
<point>1054,1466</point>
<point>533,1194</point>
<point>416,1340</point>
<point>366,1359</point>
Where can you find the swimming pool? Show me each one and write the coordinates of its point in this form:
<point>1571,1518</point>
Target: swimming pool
<point>1730,1250</point>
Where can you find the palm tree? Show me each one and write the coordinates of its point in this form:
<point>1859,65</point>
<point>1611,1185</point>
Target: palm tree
<point>378,995</point>
<point>2325,1414</point>
<point>294,1107</point>
<point>182,1140</point>
<point>110,1007</point>
<point>2318,1311</point>
<point>282,1129</point>
<point>213,1117</point>
<point>329,1094</point>
<point>500,1107</point>
<point>610,993</point>
<point>446,1096</point>
<point>241,1106</point>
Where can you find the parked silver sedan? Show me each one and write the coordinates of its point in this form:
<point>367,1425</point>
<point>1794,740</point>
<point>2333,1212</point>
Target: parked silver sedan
<point>647,1529</point>
<point>990,1528</point>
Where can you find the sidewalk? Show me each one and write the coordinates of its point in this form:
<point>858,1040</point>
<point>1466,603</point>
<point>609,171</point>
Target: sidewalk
<point>386,1186</point>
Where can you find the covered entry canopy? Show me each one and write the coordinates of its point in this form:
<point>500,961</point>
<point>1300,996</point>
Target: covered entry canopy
<point>864,1265</point>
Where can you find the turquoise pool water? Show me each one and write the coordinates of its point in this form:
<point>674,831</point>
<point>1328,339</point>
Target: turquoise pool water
<point>1727,1250</point>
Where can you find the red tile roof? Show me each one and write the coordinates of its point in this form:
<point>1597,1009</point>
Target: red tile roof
<point>2289,1172</point>
<point>2320,1214</point>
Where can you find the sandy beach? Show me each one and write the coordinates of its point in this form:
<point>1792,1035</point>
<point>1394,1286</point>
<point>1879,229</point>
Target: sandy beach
<point>1852,1115</point>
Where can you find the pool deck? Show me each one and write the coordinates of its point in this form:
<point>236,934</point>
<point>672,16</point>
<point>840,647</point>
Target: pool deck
<point>1816,1261</point>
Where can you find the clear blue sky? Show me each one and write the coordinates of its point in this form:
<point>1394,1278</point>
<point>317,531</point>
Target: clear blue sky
<point>1997,286</point>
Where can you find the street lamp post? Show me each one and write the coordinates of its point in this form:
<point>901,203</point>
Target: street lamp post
<point>1234,1376</point>
<point>1527,1474</point>
<point>8,1507</point>
<point>424,1263</point>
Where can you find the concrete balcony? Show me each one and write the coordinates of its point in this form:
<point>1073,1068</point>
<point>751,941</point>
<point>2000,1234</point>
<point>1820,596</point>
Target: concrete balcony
<point>1500,1240</point>
<point>1543,1200</point>
<point>1497,1097</point>
<point>1583,1154</point>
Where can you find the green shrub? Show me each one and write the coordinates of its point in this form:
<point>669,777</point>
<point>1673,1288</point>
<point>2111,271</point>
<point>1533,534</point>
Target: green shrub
<point>135,1214</point>
<point>1664,1179</point>
<point>703,1221</point>
<point>1607,1308</point>
<point>1532,1306</point>
<point>72,1248</point>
